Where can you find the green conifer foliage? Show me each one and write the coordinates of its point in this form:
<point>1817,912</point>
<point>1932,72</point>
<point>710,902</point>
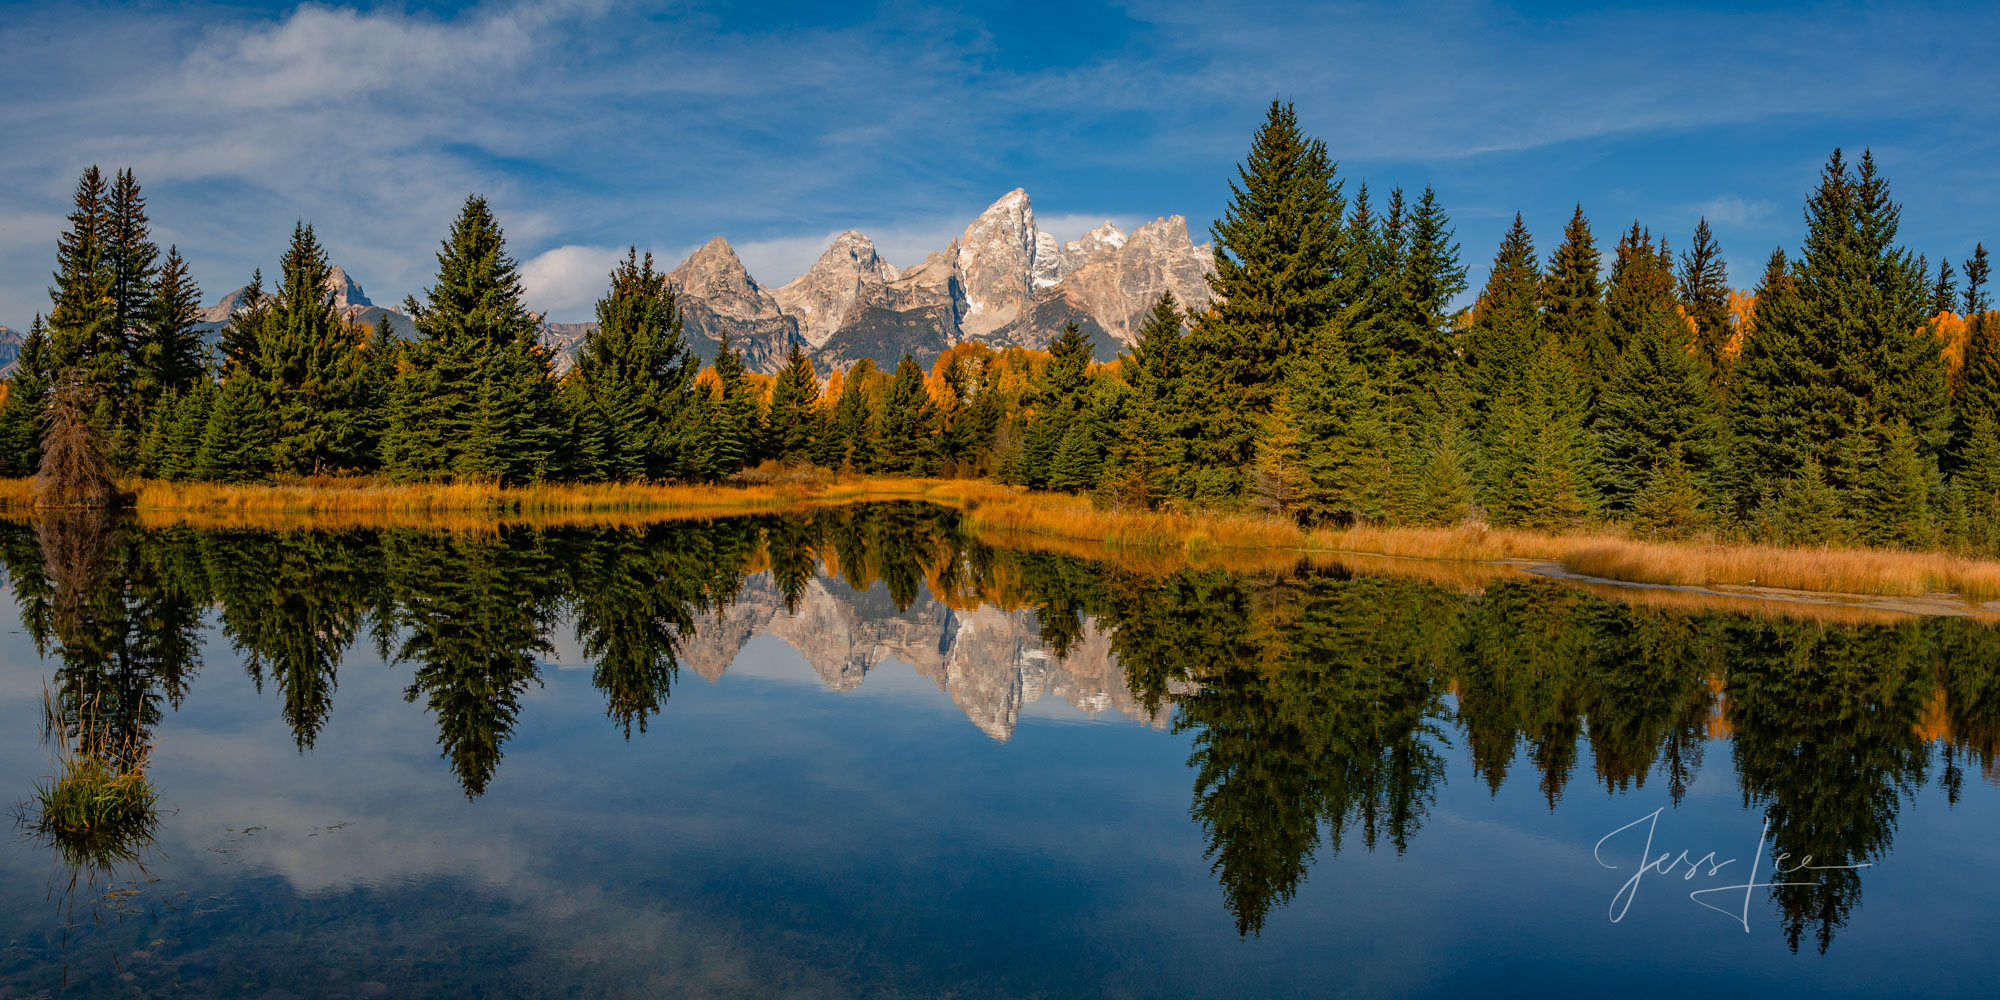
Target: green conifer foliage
<point>1894,492</point>
<point>1279,477</point>
<point>1641,294</point>
<point>1573,306</point>
<point>1845,341</point>
<point>1279,250</point>
<point>132,257</point>
<point>734,428</point>
<point>1150,447</point>
<point>180,454</point>
<point>794,421</point>
<point>310,367</point>
<point>170,348</point>
<point>1343,452</point>
<point>1419,342</point>
<point>852,419</point>
<point>1660,401</point>
<point>629,399</point>
<point>1442,491</point>
<point>1670,505</point>
<point>25,412</point>
<point>476,399</point>
<point>1506,331</point>
<point>84,335</point>
<point>1808,510</point>
<point>1704,295</point>
<point>236,443</point>
<point>1539,471</point>
<point>903,441</point>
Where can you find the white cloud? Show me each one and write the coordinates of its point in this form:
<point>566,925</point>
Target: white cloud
<point>1734,210</point>
<point>567,281</point>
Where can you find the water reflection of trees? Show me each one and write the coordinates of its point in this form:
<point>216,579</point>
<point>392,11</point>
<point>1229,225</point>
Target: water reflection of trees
<point>1320,704</point>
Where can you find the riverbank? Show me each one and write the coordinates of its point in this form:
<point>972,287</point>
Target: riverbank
<point>1008,510</point>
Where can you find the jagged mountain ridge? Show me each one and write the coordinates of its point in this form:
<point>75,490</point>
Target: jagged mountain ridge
<point>1003,282</point>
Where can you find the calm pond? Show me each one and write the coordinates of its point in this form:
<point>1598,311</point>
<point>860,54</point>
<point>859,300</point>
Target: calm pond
<point>862,753</point>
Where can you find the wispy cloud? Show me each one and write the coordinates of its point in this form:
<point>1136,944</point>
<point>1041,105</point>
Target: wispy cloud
<point>595,125</point>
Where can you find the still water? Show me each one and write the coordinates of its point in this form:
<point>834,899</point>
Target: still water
<point>863,753</point>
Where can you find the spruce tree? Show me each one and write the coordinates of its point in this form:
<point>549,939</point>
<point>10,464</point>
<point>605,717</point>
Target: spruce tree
<point>904,446</point>
<point>1670,505</point>
<point>733,428</point>
<point>310,366</point>
<point>1279,248</point>
<point>478,399</point>
<point>1420,339</point>
<point>1539,474</point>
<point>1894,491</point>
<point>170,347</point>
<point>132,257</point>
<point>852,419</point>
<point>84,336</point>
<point>631,393</point>
<point>1661,401</point>
<point>1807,510</point>
<point>1506,330</point>
<point>1278,478</point>
<point>236,443</point>
<point>180,454</point>
<point>1704,295</point>
<point>1844,342</point>
<point>794,420</point>
<point>24,414</point>
<point>1343,454</point>
<point>1442,489</point>
<point>1944,290</point>
<point>1979,372</point>
<point>1152,439</point>
<point>1573,307</point>
<point>1641,294</point>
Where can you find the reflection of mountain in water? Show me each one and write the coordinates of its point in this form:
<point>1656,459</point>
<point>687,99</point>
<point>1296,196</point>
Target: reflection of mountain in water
<point>991,663</point>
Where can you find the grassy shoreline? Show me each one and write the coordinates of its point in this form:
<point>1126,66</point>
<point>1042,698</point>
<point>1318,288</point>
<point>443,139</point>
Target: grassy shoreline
<point>1229,538</point>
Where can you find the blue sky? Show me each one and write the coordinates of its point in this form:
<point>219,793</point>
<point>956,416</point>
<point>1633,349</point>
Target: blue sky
<point>592,125</point>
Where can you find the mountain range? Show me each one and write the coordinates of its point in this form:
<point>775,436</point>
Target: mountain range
<point>1004,282</point>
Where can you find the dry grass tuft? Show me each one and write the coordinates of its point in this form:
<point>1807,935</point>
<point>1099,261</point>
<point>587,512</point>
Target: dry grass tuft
<point>1842,571</point>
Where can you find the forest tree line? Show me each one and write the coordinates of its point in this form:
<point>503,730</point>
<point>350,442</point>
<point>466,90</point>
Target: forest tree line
<point>1853,396</point>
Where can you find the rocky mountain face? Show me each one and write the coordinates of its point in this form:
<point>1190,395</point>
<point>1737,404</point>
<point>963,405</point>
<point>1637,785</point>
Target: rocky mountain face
<point>1004,282</point>
<point>718,298</point>
<point>825,296</point>
<point>990,662</point>
<point>10,349</point>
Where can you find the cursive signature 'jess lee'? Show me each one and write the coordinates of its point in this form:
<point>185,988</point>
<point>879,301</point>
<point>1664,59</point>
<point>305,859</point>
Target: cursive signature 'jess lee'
<point>1706,866</point>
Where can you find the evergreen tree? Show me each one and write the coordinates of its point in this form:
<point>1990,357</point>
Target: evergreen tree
<point>477,399</point>
<point>1506,331</point>
<point>1641,294</point>
<point>1152,439</point>
<point>1279,477</point>
<point>84,336</point>
<point>1808,510</point>
<point>1573,306</point>
<point>630,397</point>
<point>852,419</point>
<point>1442,491</point>
<point>903,442</point>
<point>25,412</point>
<point>1844,342</point>
<point>1660,401</point>
<point>1704,295</point>
<point>170,348</point>
<point>1978,386</point>
<point>1539,472</point>
<point>1420,338</point>
<point>1670,504</point>
<point>179,456</point>
<point>794,420</point>
<point>1279,248</point>
<point>1944,290</point>
<point>1343,461</point>
<point>132,257</point>
<point>1894,491</point>
<point>236,443</point>
<point>735,430</point>
<point>310,367</point>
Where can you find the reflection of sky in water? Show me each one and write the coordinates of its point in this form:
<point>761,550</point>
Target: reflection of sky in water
<point>770,836</point>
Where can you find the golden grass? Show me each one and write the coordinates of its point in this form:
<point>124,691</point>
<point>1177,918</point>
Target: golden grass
<point>1141,539</point>
<point>1847,571</point>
